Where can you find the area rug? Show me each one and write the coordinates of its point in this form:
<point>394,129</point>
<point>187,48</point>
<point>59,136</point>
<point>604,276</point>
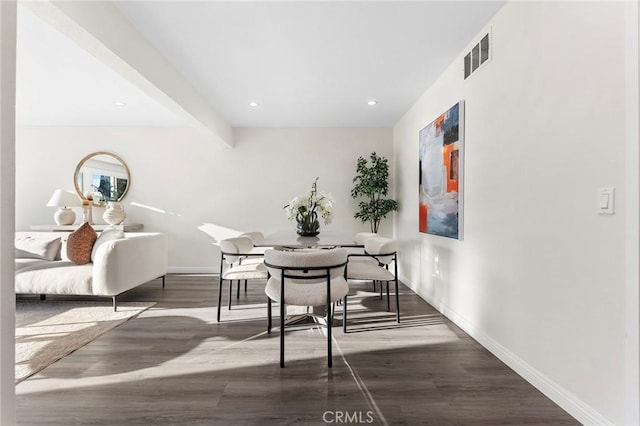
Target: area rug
<point>50,330</point>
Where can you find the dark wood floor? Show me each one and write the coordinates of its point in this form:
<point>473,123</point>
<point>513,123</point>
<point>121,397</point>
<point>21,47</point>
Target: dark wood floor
<point>175,365</point>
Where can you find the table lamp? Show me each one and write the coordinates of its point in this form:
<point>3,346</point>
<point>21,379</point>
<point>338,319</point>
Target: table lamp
<point>64,199</point>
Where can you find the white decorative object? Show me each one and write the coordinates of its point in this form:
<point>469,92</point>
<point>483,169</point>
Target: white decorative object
<point>98,213</point>
<point>114,214</point>
<point>64,199</point>
<point>98,198</point>
<point>86,212</point>
<point>304,210</point>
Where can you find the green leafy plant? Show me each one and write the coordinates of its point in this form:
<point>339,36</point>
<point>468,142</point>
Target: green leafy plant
<point>372,183</point>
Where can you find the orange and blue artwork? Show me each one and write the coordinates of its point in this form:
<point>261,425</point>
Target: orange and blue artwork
<point>440,155</point>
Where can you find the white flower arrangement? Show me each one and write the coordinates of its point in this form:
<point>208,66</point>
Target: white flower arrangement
<point>305,208</point>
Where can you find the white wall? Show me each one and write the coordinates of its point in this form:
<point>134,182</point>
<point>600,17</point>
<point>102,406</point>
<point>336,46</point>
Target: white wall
<point>539,277</point>
<point>7,192</point>
<point>632,154</point>
<point>197,191</point>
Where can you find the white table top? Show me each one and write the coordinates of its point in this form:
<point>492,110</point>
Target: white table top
<point>324,239</point>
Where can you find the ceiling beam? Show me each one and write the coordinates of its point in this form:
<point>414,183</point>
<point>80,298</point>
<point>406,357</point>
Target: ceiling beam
<point>102,30</point>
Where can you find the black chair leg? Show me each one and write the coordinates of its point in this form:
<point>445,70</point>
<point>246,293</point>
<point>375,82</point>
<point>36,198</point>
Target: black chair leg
<point>219,298</point>
<point>397,303</point>
<point>282,313</point>
<point>344,315</point>
<point>380,282</point>
<point>388,304</point>
<point>329,321</point>
<point>238,291</point>
<point>230,293</point>
<point>281,334</point>
<point>245,286</point>
<point>163,277</point>
<point>268,315</point>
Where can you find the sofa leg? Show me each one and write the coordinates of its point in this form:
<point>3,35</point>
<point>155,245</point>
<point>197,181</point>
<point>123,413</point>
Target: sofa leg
<point>115,304</point>
<point>43,296</point>
<point>163,280</point>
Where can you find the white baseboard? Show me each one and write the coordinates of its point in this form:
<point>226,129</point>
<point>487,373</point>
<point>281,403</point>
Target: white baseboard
<point>573,405</point>
<point>192,270</point>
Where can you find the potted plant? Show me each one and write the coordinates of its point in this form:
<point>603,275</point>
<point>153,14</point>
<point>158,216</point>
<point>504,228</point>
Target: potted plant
<point>305,208</point>
<point>372,183</point>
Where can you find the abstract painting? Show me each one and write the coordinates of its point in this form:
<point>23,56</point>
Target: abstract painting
<point>440,154</point>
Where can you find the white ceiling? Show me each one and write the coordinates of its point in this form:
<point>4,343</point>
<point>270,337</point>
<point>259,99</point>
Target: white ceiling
<point>60,84</point>
<point>307,64</point>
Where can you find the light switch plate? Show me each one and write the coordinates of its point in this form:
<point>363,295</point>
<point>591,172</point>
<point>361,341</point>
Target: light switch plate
<point>606,200</point>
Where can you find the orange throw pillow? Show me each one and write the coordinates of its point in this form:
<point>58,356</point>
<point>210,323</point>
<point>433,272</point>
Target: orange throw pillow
<point>80,243</point>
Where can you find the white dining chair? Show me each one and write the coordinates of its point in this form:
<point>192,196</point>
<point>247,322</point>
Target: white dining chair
<point>257,253</point>
<point>256,237</point>
<point>234,265</point>
<point>380,253</point>
<point>360,239</point>
<point>305,278</point>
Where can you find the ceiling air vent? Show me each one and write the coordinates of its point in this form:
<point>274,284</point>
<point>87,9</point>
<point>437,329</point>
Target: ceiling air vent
<point>479,55</point>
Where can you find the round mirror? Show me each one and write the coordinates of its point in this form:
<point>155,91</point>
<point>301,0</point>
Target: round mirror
<point>103,177</point>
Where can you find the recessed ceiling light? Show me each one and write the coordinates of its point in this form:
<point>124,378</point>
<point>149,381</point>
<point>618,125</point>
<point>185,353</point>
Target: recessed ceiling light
<point>253,104</point>
<point>372,102</point>
<point>120,104</point>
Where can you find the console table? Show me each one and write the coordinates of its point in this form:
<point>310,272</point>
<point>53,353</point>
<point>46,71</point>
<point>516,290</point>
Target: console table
<point>127,227</point>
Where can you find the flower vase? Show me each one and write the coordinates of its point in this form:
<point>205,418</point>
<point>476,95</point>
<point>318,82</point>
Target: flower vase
<point>308,225</point>
<point>114,214</point>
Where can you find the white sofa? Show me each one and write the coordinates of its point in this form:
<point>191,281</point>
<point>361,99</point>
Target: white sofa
<point>117,266</point>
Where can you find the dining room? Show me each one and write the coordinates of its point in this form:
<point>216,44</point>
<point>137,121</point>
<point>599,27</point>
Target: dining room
<point>517,289</point>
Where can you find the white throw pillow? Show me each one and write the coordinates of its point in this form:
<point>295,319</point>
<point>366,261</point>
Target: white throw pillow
<point>35,248</point>
<point>109,234</point>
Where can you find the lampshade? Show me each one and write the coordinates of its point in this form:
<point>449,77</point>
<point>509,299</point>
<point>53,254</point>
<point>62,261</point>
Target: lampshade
<point>64,198</point>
